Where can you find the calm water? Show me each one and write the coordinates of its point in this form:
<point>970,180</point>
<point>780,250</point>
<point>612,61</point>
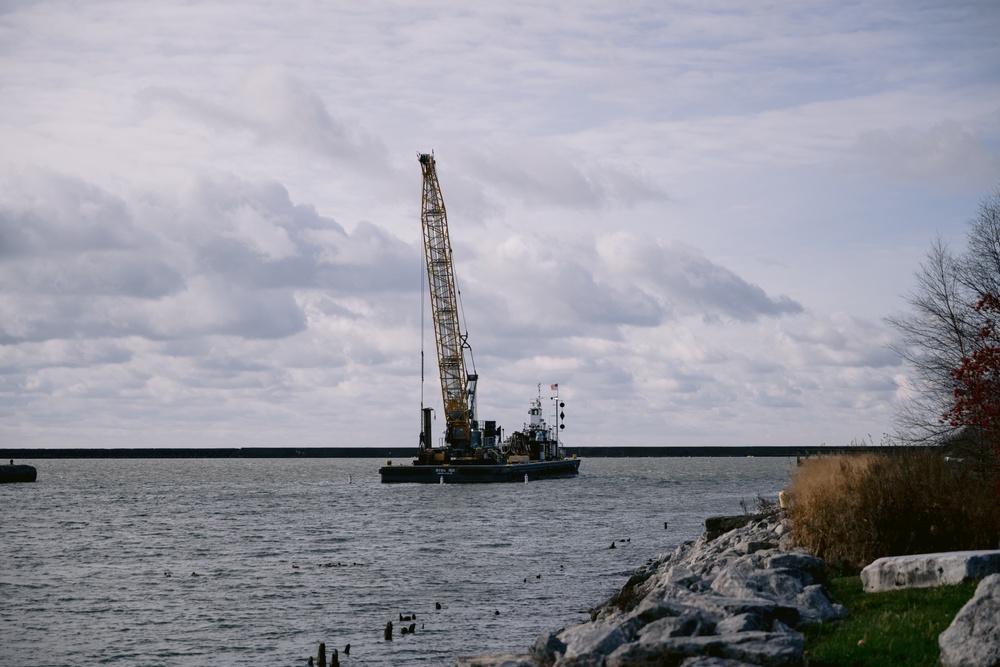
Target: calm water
<point>290,553</point>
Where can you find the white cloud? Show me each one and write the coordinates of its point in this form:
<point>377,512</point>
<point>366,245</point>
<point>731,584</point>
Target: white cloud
<point>689,215</point>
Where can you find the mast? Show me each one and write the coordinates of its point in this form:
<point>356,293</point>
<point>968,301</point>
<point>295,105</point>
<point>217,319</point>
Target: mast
<point>457,388</point>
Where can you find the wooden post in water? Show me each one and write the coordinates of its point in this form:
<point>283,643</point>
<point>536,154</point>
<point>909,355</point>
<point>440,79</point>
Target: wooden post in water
<point>388,631</point>
<point>321,658</point>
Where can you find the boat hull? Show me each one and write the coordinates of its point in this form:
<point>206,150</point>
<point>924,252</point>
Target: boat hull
<point>478,473</point>
<point>17,473</point>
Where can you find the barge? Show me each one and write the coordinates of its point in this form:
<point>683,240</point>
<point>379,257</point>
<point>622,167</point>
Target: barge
<point>470,451</point>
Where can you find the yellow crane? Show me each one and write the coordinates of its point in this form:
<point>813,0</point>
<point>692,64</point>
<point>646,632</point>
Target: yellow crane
<point>458,387</point>
<point>473,451</point>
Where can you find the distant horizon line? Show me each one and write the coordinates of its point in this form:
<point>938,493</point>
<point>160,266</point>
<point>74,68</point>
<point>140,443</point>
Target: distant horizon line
<point>679,451</point>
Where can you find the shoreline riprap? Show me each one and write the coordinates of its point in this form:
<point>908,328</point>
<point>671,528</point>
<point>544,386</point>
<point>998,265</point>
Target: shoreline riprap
<point>738,599</point>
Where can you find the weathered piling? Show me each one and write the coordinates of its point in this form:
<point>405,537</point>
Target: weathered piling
<point>321,658</point>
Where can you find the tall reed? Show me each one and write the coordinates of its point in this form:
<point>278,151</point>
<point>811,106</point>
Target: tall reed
<point>851,509</point>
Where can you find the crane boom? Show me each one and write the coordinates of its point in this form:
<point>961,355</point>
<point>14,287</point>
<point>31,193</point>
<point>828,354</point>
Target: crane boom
<point>473,450</point>
<point>444,310</point>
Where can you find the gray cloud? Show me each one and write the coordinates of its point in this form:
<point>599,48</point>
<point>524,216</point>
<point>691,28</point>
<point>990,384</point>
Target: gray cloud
<point>950,156</point>
<point>277,107</point>
<point>228,257</point>
<point>226,311</point>
<point>686,282</point>
<point>528,296</point>
<point>544,173</point>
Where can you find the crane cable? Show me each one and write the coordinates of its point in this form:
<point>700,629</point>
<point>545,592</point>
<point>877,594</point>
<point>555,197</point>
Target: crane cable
<point>465,326</point>
<point>423,312</point>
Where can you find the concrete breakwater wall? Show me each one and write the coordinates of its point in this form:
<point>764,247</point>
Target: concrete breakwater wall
<point>738,599</point>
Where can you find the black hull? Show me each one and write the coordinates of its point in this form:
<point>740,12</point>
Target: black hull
<point>18,473</point>
<point>478,473</point>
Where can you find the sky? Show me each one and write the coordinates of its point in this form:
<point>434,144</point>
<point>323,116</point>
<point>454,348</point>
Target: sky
<point>693,216</point>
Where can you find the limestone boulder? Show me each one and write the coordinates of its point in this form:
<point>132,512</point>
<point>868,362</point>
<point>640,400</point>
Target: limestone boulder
<point>927,570</point>
<point>593,638</point>
<point>767,649</point>
<point>973,638</point>
<point>738,599</point>
<point>496,661</point>
<point>548,647</point>
<point>706,661</point>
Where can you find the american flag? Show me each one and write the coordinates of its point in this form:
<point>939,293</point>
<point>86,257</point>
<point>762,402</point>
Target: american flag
<point>554,387</point>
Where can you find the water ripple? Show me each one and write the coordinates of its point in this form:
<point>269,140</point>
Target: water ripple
<point>98,557</point>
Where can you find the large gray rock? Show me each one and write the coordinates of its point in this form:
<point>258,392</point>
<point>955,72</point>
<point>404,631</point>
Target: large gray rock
<point>496,661</point>
<point>973,638</point>
<point>768,649</point>
<point>736,600</point>
<point>816,606</point>
<point>548,647</point>
<point>599,638</point>
<point>691,624</point>
<point>705,661</point>
<point>927,570</point>
<point>747,622</point>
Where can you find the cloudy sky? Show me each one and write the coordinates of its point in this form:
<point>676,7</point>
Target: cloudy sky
<point>692,215</point>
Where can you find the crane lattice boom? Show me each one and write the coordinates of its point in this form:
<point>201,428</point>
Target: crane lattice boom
<point>444,308</point>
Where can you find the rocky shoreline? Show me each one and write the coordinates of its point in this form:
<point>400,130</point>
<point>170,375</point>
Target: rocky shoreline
<point>724,600</point>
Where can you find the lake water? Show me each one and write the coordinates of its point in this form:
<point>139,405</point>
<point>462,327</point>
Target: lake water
<point>97,558</point>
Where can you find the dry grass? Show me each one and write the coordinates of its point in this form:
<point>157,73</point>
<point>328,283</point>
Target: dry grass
<point>850,510</point>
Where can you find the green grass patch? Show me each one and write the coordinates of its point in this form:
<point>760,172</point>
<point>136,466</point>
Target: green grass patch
<point>892,628</point>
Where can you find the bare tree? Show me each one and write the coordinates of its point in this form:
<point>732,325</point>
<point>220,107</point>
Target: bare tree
<point>982,259</point>
<point>941,326</point>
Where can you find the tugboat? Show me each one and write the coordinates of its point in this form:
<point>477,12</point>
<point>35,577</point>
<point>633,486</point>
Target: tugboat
<point>471,451</point>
